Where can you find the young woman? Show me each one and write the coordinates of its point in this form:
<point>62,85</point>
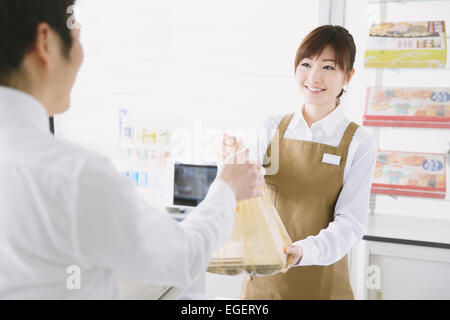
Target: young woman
<point>322,186</point>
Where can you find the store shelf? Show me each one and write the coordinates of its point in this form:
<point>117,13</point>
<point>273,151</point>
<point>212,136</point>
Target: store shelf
<point>411,230</point>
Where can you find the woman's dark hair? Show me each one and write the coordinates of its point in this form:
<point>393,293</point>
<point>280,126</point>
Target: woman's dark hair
<point>340,40</point>
<point>18,25</point>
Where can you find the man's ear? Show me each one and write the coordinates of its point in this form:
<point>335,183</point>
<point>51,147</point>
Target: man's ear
<point>43,44</point>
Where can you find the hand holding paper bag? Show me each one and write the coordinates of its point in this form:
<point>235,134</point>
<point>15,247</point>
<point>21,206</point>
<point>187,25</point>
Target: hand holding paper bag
<point>258,240</point>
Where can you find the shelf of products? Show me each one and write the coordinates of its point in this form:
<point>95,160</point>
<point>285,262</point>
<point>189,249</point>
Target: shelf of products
<point>416,44</point>
<point>407,107</point>
<point>145,156</point>
<point>410,46</point>
<point>410,174</point>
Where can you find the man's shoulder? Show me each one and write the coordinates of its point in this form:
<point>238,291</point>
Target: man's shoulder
<point>59,157</point>
<point>70,154</point>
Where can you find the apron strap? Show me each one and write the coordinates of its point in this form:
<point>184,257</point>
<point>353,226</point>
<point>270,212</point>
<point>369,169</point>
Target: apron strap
<point>343,147</point>
<point>348,136</point>
<point>284,123</point>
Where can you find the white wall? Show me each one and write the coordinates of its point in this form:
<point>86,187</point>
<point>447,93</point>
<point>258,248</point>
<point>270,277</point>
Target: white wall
<point>226,64</point>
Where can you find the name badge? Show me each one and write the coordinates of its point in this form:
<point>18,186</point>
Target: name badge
<point>331,159</point>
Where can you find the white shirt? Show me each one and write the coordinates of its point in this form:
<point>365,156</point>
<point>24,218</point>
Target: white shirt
<point>61,206</point>
<point>351,210</point>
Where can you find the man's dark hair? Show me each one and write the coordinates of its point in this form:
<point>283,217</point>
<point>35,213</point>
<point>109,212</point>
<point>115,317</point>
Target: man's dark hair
<point>18,25</point>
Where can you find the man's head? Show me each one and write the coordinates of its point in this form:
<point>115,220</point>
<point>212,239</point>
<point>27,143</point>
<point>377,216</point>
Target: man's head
<point>39,54</point>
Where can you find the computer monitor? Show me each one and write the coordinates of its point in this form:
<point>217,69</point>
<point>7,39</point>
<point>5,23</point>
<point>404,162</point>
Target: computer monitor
<point>191,183</point>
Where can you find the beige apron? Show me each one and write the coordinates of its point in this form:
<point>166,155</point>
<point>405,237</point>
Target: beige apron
<point>305,191</point>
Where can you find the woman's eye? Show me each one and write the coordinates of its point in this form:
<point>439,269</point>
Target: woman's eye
<point>304,64</point>
<point>328,68</point>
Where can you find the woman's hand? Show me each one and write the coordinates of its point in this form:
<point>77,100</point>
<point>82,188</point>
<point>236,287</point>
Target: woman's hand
<point>296,253</point>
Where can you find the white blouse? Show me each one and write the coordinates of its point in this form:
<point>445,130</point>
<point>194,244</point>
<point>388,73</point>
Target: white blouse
<point>352,206</point>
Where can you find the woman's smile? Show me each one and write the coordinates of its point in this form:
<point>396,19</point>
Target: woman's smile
<point>314,90</point>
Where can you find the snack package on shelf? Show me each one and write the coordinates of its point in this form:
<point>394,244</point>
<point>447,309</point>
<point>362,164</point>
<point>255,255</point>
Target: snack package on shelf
<point>407,107</point>
<point>145,155</point>
<point>419,44</point>
<point>258,239</point>
<point>410,174</point>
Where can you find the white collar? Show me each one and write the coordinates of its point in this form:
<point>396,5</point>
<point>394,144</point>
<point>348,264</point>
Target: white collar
<point>25,107</point>
<point>328,123</point>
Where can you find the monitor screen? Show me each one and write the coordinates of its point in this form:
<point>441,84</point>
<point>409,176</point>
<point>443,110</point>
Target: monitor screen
<point>191,183</point>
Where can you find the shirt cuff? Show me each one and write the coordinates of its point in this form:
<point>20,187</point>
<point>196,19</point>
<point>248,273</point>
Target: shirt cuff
<point>310,252</point>
<point>222,194</point>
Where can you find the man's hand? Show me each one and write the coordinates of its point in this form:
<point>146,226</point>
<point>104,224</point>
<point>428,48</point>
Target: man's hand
<point>296,252</point>
<point>228,146</point>
<point>243,178</point>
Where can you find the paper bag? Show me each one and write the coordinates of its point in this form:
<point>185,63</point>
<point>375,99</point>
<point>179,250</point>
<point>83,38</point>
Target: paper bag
<point>257,242</point>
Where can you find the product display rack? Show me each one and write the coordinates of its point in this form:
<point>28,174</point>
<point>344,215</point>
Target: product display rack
<point>421,107</point>
<point>389,122</point>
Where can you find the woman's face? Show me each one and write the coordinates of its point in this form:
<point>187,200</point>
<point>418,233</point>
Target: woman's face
<point>320,79</point>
